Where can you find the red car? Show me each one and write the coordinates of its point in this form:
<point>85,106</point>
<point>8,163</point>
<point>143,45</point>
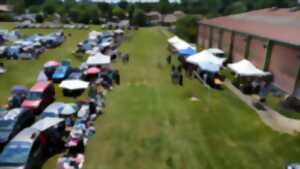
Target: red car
<point>40,96</point>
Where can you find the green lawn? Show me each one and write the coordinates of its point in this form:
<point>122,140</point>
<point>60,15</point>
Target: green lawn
<point>150,123</point>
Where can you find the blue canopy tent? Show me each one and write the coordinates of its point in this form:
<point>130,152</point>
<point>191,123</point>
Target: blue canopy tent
<point>186,52</point>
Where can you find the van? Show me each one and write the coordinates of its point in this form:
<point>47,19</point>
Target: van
<point>39,97</point>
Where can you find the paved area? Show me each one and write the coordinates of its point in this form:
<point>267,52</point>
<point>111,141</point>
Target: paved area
<point>270,117</point>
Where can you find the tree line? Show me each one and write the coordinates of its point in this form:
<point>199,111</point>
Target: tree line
<point>87,10</point>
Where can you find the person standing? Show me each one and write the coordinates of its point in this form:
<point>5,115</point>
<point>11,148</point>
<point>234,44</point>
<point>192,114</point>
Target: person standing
<point>169,59</point>
<point>117,77</point>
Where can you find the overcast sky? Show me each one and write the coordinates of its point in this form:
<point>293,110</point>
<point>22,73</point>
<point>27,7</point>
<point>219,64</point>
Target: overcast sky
<point>114,1</point>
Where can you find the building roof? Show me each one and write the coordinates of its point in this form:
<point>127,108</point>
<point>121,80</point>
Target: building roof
<point>40,86</point>
<point>276,24</point>
<point>170,18</point>
<point>5,8</point>
<point>153,13</point>
<point>179,14</point>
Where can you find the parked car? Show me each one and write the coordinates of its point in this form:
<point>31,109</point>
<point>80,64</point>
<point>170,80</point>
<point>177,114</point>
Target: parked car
<point>293,166</point>
<point>13,122</point>
<point>39,97</point>
<point>61,73</point>
<point>24,151</point>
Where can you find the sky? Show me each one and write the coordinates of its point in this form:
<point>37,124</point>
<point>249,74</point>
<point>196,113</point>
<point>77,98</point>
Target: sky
<point>115,1</point>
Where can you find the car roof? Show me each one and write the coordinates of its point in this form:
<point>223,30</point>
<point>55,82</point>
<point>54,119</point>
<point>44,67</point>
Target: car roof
<point>40,86</point>
<point>26,135</point>
<point>12,114</point>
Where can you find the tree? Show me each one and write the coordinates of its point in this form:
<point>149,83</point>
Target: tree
<point>236,7</point>
<point>164,6</point>
<point>187,27</point>
<point>131,13</point>
<point>139,18</point>
<point>50,6</point>
<point>19,5</point>
<point>123,4</point>
<point>119,12</point>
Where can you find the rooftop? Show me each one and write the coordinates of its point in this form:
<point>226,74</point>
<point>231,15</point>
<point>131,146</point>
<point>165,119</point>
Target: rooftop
<point>40,86</point>
<point>5,8</point>
<point>271,23</point>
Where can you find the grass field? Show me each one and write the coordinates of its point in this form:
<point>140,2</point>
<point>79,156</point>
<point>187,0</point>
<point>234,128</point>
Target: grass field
<point>150,123</point>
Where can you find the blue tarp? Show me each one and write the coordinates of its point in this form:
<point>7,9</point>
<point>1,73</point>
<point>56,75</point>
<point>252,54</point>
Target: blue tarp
<point>186,52</point>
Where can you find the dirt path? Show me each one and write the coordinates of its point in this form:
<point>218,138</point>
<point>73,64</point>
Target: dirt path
<point>270,117</point>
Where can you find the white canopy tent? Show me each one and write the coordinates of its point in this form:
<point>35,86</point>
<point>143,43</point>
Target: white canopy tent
<point>46,123</point>
<point>74,84</point>
<point>119,31</point>
<point>246,68</point>
<point>205,56</point>
<point>179,44</point>
<point>98,59</point>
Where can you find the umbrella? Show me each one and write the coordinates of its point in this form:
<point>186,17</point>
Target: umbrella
<point>51,63</point>
<point>17,89</point>
<point>42,76</point>
<point>210,67</point>
<point>92,70</point>
<point>74,84</point>
<point>69,109</point>
<point>46,123</point>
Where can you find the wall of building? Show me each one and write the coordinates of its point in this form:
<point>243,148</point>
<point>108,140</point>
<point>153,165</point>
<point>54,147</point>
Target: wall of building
<point>239,47</point>
<point>226,41</point>
<point>257,51</point>
<point>284,63</point>
<point>215,41</point>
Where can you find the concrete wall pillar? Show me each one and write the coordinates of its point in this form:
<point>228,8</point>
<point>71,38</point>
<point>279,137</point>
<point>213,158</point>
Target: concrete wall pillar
<point>268,54</point>
<point>247,48</point>
<point>220,44</point>
<point>210,39</point>
<point>231,48</point>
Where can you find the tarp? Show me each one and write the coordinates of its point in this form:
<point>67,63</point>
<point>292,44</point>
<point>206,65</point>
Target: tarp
<point>94,35</point>
<point>74,84</point>
<point>215,51</point>
<point>179,44</point>
<point>209,67</point>
<point>42,76</point>
<point>69,109</point>
<point>205,56</point>
<point>186,52</point>
<point>246,68</point>
<point>46,123</point>
<point>98,59</point>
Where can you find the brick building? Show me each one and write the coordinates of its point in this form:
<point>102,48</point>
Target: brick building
<point>269,38</point>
